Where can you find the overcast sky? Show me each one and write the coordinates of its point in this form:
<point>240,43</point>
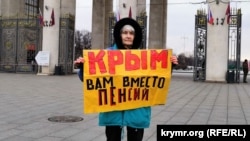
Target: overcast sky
<point>180,30</point>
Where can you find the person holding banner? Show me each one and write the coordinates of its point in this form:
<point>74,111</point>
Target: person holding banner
<point>127,35</point>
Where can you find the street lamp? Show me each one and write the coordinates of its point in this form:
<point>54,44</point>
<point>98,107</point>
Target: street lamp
<point>184,38</point>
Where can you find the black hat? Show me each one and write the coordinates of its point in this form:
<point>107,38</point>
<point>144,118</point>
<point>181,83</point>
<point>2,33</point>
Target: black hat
<point>117,33</point>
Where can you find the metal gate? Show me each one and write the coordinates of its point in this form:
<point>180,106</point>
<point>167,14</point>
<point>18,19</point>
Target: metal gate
<point>142,20</point>
<point>19,43</point>
<point>234,46</point>
<point>66,44</point>
<point>200,46</point>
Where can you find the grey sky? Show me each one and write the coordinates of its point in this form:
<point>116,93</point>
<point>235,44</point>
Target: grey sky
<point>83,14</point>
<point>180,30</point>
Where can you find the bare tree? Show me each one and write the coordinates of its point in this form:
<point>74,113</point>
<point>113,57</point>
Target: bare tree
<point>82,41</point>
<point>184,61</point>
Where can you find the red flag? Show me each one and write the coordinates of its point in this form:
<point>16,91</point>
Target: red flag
<point>52,18</point>
<point>210,18</point>
<point>130,13</point>
<point>40,18</point>
<point>228,13</point>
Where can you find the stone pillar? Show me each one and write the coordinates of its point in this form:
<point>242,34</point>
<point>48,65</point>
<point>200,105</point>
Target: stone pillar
<point>108,11</point>
<point>51,35</point>
<point>12,8</point>
<point>217,43</point>
<point>68,6</point>
<point>157,24</point>
<point>100,16</point>
<point>141,7</point>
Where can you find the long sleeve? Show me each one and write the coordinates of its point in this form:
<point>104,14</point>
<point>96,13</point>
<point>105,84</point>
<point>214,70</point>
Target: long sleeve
<point>173,65</point>
<point>80,72</point>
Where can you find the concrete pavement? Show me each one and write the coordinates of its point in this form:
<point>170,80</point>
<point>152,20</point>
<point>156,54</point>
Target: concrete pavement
<point>27,101</point>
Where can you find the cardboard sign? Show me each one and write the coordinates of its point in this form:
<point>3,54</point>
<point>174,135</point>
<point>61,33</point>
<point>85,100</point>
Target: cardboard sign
<point>42,58</point>
<point>125,79</point>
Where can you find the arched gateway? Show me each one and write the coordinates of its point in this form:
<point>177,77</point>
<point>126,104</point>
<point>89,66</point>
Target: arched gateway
<point>217,47</point>
<point>31,26</point>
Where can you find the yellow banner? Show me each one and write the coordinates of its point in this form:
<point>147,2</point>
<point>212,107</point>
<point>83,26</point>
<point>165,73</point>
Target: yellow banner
<point>125,79</point>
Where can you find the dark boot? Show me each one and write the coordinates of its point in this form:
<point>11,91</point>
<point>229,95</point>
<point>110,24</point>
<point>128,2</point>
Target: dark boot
<point>113,133</point>
<point>134,134</point>
<point>244,78</point>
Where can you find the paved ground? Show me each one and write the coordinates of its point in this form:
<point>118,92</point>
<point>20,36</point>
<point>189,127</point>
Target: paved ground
<point>27,101</point>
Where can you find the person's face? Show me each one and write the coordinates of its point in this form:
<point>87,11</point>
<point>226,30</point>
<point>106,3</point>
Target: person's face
<point>127,38</point>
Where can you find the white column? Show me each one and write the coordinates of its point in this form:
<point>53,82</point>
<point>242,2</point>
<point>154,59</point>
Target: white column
<point>51,35</point>
<point>217,43</point>
<point>124,7</point>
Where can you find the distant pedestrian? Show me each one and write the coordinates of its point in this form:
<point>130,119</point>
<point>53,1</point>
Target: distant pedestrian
<point>245,70</point>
